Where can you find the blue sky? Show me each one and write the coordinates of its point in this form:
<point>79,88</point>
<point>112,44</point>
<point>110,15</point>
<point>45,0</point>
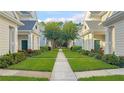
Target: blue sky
<point>47,16</point>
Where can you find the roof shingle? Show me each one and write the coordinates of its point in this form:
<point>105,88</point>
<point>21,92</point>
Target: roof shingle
<point>28,25</point>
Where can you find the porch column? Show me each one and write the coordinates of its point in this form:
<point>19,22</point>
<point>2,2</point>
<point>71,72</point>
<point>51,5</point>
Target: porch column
<point>38,42</point>
<point>16,40</point>
<point>30,41</point>
<point>108,41</point>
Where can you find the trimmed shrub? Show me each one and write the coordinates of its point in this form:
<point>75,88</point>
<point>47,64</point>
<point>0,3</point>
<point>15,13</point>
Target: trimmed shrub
<point>31,53</point>
<point>111,59</point>
<point>91,54</point>
<point>98,56</point>
<point>93,51</point>
<point>18,57</point>
<point>121,60</point>
<point>85,52</point>
<point>9,59</point>
<point>3,63</point>
<point>76,48</point>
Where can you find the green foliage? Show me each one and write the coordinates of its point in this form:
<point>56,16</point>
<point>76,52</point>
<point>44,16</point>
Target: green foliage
<point>85,52</point>
<point>91,54</point>
<point>3,63</point>
<point>21,78</point>
<point>18,57</point>
<point>10,59</point>
<point>98,56</point>
<point>121,60</point>
<point>71,30</point>
<point>59,34</point>
<point>103,78</point>
<point>76,48</point>
<point>80,62</point>
<point>111,59</point>
<point>44,49</point>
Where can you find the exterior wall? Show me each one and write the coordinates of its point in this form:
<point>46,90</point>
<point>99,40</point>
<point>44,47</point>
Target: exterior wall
<point>78,42</point>
<point>119,38</point>
<point>4,35</point>
<point>35,42</point>
<point>43,40</point>
<point>88,42</point>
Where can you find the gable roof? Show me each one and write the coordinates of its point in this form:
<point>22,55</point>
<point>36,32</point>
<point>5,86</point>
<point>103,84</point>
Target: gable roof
<point>95,25</point>
<point>28,25</point>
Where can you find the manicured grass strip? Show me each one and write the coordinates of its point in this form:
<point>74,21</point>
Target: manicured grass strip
<point>85,63</point>
<point>49,54</point>
<point>36,64</point>
<point>20,78</point>
<point>104,78</point>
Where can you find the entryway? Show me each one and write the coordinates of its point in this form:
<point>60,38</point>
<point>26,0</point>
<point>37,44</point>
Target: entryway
<point>24,44</point>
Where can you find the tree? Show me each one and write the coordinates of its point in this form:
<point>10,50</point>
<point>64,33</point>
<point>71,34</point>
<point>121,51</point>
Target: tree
<point>51,32</point>
<point>71,31</point>
<point>60,33</point>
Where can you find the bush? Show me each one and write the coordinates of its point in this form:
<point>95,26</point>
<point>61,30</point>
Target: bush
<point>9,59</point>
<point>91,54</point>
<point>101,51</point>
<point>111,59</point>
<point>76,48</point>
<point>85,52</point>
<point>30,53</point>
<point>3,63</point>
<point>93,51</point>
<point>121,60</point>
<point>18,57</point>
<point>43,49</point>
<point>98,56</point>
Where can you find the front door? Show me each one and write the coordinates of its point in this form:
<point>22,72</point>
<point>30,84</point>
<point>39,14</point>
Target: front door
<point>97,45</point>
<point>24,44</point>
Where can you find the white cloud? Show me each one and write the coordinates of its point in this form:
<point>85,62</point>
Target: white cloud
<point>39,20</point>
<point>76,18</point>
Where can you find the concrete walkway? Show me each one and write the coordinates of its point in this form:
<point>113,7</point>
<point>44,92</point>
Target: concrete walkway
<point>62,70</point>
<point>38,74</point>
<point>106,72</point>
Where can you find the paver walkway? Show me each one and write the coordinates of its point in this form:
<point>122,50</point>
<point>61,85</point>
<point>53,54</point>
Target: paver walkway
<point>62,70</point>
<point>38,74</point>
<point>106,72</point>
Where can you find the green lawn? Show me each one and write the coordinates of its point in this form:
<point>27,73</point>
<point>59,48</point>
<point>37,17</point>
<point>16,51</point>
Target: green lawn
<point>80,62</point>
<point>49,54</point>
<point>104,78</point>
<point>20,78</point>
<point>43,62</point>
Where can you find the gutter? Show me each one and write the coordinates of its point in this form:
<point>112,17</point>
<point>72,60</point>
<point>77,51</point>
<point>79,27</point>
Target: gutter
<point>118,16</point>
<point>11,18</point>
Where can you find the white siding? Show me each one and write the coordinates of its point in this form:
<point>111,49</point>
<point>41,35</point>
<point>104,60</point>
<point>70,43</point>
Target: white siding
<point>119,38</point>
<point>4,35</point>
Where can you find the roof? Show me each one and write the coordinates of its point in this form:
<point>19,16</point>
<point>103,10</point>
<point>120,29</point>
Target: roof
<point>95,25</point>
<point>115,17</point>
<point>28,25</point>
<point>95,12</point>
